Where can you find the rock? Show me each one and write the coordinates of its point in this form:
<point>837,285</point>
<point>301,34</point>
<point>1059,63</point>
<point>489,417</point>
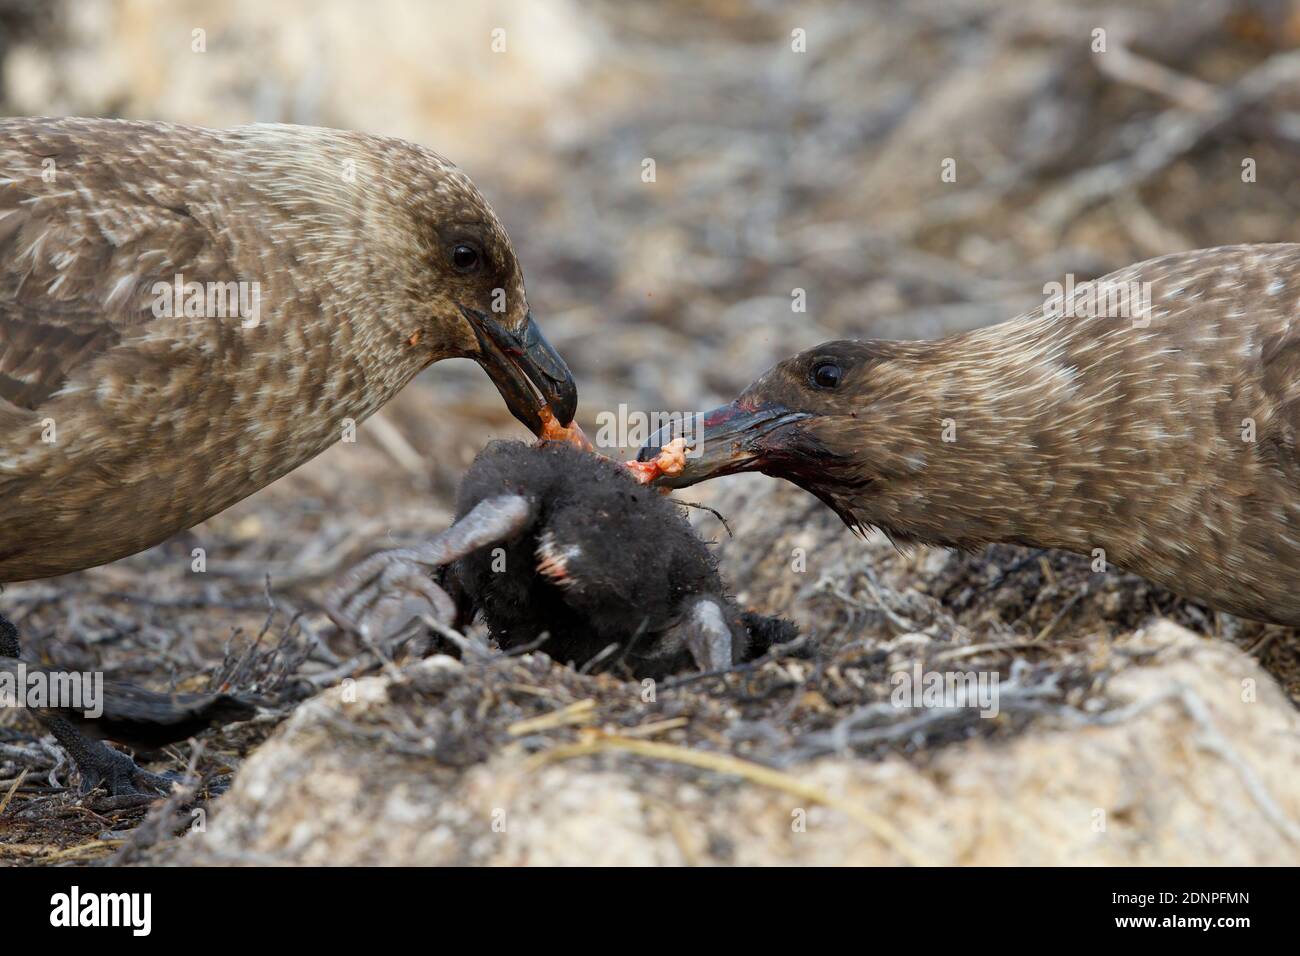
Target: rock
<point>1197,758</point>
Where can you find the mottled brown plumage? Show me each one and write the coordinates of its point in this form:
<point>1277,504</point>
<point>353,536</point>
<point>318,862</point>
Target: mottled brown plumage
<point>1166,439</point>
<point>118,427</point>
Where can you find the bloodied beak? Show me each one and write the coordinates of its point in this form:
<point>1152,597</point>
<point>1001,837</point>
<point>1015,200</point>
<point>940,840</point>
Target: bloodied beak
<point>733,438</point>
<point>527,371</point>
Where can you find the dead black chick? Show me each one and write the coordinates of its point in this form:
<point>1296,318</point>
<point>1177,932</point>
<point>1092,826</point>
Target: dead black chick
<point>552,539</point>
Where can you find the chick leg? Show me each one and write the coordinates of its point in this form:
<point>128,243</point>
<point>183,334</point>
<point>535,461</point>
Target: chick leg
<point>705,633</point>
<point>98,764</point>
<point>370,598</point>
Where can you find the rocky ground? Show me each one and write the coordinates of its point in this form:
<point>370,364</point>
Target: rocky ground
<point>1153,756</point>
<point>1134,727</point>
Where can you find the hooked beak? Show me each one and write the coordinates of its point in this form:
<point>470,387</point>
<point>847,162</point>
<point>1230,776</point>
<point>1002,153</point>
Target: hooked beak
<point>733,438</point>
<point>527,371</point>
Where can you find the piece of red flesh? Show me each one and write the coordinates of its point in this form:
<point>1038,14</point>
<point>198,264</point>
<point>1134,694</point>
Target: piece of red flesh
<point>670,461</point>
<point>552,430</point>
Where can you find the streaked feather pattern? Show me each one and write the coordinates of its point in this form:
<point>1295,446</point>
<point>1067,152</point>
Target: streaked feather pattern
<point>160,422</point>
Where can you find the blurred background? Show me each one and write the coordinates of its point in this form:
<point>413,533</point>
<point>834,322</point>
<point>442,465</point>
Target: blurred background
<point>796,146</point>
